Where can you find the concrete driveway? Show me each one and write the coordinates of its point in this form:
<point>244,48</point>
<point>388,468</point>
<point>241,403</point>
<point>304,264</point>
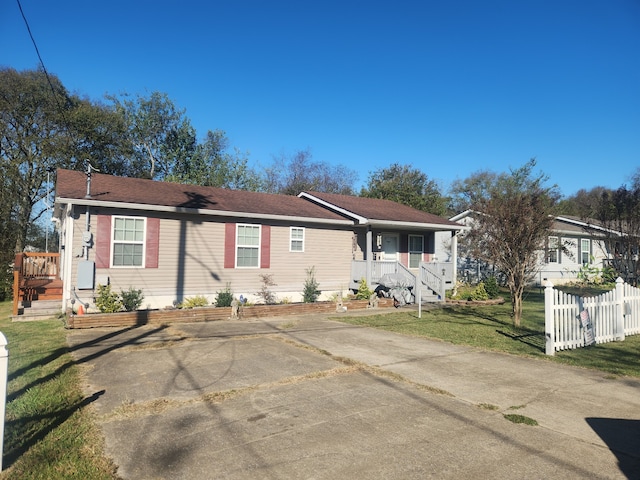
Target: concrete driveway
<point>313,398</point>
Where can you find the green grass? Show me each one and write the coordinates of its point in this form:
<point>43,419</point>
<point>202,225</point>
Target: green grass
<point>490,327</point>
<point>50,433</point>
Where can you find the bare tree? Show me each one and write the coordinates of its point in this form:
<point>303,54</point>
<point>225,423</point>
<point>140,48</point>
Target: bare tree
<point>514,221</point>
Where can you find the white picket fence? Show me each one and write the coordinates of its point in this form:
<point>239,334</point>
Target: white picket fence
<point>609,317</point>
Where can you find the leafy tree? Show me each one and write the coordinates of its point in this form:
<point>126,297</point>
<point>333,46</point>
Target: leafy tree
<point>292,175</point>
<point>42,128</point>
<point>514,220</point>
<point>583,204</point>
<point>159,134</point>
<point>408,186</point>
<point>464,194</point>
<point>212,165</point>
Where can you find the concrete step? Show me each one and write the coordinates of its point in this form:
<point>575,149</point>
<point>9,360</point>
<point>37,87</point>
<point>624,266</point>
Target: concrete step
<point>38,310</point>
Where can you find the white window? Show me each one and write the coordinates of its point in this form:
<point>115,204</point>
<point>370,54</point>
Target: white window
<point>553,249</point>
<point>128,241</point>
<point>416,248</point>
<point>248,246</point>
<point>296,236</point>
<point>585,251</point>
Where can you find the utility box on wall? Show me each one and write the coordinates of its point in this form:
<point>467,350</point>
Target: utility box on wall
<point>86,275</point>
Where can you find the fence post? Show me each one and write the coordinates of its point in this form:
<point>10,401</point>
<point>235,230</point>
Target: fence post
<point>549,321</point>
<point>619,325</point>
<point>4,367</point>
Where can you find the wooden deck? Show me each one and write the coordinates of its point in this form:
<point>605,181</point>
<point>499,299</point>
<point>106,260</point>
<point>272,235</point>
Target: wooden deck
<point>36,276</point>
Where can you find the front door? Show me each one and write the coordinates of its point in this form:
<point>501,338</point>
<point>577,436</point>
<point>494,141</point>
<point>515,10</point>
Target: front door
<point>389,247</point>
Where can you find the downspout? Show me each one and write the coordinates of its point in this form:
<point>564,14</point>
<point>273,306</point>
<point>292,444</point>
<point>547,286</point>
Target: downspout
<point>369,254</point>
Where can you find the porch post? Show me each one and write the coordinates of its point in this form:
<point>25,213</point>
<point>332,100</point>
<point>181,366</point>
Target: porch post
<point>369,254</point>
<point>454,257</point>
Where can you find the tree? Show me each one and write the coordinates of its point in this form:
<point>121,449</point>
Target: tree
<point>212,165</point>
<point>160,135</point>
<point>292,175</point>
<point>584,203</point>
<point>464,194</point>
<point>619,213</point>
<point>514,221</point>
<point>406,185</point>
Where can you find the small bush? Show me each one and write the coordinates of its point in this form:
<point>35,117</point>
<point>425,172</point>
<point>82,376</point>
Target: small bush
<point>225,297</point>
<point>267,296</point>
<point>310,293</point>
<point>491,287</point>
<point>108,301</point>
<point>479,293</point>
<point>192,302</point>
<point>131,299</point>
<point>363,293</point>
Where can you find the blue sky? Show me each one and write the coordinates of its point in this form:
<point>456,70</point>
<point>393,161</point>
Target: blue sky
<point>448,87</point>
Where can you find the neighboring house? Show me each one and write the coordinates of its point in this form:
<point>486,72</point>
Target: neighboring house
<point>572,245</point>
<point>175,241</point>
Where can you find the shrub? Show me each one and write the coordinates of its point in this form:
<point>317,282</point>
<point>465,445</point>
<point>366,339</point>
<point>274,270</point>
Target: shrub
<point>267,296</point>
<point>225,297</point>
<point>310,293</point>
<point>479,293</point>
<point>131,299</point>
<point>192,302</point>
<point>363,292</point>
<point>491,287</point>
<point>108,301</point>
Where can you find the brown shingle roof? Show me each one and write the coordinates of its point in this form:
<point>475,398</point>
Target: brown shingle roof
<point>381,210</point>
<point>106,188</point>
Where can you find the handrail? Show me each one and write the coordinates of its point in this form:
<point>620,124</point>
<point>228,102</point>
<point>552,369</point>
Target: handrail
<point>17,280</point>
<point>431,279</point>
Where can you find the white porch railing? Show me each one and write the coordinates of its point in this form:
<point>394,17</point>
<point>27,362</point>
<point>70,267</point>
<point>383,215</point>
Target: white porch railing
<point>378,269</point>
<point>612,315</point>
<point>431,277</point>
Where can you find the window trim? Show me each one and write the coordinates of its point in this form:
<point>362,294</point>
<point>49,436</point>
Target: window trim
<point>301,240</point>
<point>587,251</point>
<point>258,246</point>
<point>410,251</point>
<point>113,242</point>
<point>553,249</point>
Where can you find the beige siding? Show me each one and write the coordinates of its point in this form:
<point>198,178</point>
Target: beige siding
<point>191,262</point>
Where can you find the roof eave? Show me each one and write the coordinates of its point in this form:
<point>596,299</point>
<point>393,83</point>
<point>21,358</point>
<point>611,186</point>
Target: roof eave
<point>196,211</point>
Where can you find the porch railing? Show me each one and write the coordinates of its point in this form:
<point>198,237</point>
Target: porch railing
<point>432,278</point>
<point>29,266</point>
<point>378,269</point>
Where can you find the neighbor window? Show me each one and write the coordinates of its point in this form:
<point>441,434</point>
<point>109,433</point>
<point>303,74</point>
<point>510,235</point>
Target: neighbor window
<point>416,247</point>
<point>553,249</point>
<point>248,246</point>
<point>296,239</point>
<point>585,251</point>
<point>128,241</point>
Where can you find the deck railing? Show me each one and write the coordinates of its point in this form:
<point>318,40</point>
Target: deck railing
<point>29,266</point>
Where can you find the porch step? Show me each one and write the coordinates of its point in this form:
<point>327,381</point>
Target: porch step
<point>38,310</point>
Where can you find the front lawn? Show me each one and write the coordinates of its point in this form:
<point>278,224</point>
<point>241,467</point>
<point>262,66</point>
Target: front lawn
<point>490,327</point>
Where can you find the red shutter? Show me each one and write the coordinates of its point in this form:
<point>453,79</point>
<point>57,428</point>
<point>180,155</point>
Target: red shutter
<point>265,247</point>
<point>153,243</point>
<point>229,245</point>
<point>103,241</point>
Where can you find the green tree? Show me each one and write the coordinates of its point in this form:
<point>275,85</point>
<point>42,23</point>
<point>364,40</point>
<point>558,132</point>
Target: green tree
<point>213,165</point>
<point>406,185</point>
<point>584,203</point>
<point>464,194</point>
<point>159,134</point>
<point>513,222</point>
<point>298,173</point>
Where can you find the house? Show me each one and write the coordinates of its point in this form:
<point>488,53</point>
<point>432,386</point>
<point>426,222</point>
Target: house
<point>176,241</point>
<point>572,246</point>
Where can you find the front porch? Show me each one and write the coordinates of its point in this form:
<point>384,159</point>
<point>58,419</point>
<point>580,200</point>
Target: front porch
<point>36,283</point>
<point>428,283</point>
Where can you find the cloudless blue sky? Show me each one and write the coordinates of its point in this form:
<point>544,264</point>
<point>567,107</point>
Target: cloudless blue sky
<point>448,87</point>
